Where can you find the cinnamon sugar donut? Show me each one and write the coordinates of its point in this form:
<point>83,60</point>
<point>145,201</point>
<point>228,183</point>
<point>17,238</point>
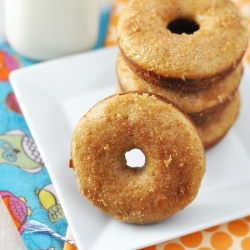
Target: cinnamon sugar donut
<point>149,36</point>
<point>199,105</point>
<point>174,166</point>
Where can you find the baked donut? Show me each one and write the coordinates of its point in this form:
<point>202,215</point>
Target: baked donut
<point>219,124</point>
<point>174,165</point>
<point>208,48</point>
<point>199,105</point>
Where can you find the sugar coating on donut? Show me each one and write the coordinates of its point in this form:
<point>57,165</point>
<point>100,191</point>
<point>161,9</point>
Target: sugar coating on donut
<point>219,124</point>
<point>174,165</point>
<point>182,61</point>
<point>194,103</point>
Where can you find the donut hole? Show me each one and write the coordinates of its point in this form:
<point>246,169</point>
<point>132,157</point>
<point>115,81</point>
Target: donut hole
<point>183,25</point>
<point>135,158</point>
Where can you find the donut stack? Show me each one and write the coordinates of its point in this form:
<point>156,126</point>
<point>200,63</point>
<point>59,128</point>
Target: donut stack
<point>189,52</point>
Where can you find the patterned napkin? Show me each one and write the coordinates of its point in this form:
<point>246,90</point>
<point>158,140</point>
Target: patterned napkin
<point>9,236</point>
<point>25,185</point>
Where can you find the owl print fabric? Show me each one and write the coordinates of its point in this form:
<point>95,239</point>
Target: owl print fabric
<point>25,185</point>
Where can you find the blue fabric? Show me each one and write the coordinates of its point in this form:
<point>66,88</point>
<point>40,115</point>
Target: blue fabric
<point>25,184</point>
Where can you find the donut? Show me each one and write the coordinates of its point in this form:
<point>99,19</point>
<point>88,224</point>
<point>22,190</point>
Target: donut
<point>209,46</point>
<point>174,158</point>
<point>219,124</point>
<point>199,105</point>
<point>206,115</point>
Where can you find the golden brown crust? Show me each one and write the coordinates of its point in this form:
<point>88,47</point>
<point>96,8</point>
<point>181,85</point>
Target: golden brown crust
<point>175,158</point>
<point>199,105</point>
<point>187,62</point>
<point>203,117</point>
<point>215,130</point>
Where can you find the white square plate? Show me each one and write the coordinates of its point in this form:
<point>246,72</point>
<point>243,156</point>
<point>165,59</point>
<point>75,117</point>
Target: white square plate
<point>54,96</point>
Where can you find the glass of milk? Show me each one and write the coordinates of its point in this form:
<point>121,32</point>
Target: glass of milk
<point>48,29</point>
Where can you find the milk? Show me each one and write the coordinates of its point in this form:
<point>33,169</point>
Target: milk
<point>47,29</point>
